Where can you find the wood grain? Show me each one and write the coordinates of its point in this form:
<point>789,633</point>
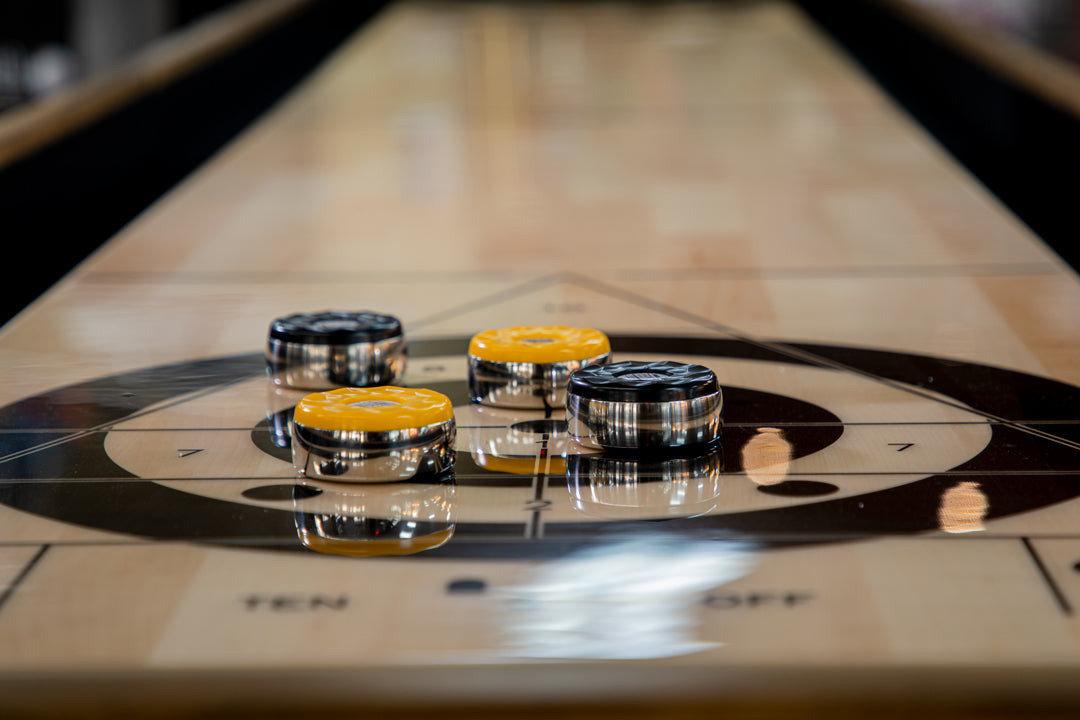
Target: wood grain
<point>715,171</point>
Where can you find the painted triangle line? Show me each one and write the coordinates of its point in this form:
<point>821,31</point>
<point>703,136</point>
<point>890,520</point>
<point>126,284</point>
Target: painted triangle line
<point>486,301</point>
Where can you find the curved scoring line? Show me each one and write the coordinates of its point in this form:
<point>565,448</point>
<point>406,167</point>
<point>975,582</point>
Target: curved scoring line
<point>910,389</point>
<point>112,423</point>
<point>803,355</point>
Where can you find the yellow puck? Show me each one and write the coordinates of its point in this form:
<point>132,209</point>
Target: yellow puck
<point>539,344</point>
<point>374,409</point>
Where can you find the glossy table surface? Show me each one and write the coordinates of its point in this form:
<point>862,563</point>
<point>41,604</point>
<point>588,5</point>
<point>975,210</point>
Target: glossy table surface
<point>894,505</point>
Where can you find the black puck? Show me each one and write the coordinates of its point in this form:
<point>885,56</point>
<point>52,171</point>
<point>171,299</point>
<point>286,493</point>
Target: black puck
<point>638,382</point>
<point>335,327</point>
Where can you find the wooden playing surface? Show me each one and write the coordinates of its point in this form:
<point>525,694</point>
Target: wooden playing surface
<point>709,183</point>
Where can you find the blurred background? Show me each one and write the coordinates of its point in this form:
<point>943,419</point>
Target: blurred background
<point>107,104</point>
<point>46,45</point>
<point>996,82</point>
<point>1053,25</point>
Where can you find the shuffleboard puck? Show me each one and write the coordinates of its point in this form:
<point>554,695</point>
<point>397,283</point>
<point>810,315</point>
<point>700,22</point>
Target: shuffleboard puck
<point>380,434</point>
<point>644,406</point>
<point>528,366</point>
<point>335,348</point>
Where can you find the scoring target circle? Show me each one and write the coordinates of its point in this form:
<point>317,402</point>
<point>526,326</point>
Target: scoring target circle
<point>869,499</point>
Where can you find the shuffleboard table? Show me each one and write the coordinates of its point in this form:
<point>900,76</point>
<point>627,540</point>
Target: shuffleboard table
<point>890,522</point>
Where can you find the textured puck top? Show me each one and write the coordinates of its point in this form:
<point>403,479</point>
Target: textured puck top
<point>377,409</point>
<point>335,327</point>
<point>632,381</point>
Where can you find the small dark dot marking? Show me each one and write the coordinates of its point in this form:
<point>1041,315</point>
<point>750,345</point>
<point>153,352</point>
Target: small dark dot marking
<point>540,427</point>
<point>799,488</point>
<point>1076,567</point>
<point>466,586</point>
<point>280,492</point>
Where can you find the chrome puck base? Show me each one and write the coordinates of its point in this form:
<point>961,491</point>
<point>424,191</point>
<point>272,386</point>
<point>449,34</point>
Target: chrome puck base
<point>523,385</point>
<point>598,424</point>
<point>373,456</point>
<point>324,367</point>
<point>335,348</point>
<point>280,406</point>
<point>644,406</point>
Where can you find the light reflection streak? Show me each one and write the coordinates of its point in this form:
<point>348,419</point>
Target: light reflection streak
<point>630,598</point>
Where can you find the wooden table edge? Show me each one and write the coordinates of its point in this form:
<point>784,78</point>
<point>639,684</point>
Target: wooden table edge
<point>28,128</point>
<point>1053,79</point>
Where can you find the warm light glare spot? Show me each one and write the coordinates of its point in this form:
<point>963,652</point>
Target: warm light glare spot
<point>963,508</point>
<point>766,457</point>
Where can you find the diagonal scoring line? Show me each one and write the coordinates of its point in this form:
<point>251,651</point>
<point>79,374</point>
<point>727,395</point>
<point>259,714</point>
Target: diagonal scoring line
<point>487,300</point>
<point>798,354</point>
<point>108,425</point>
<point>1055,590</point>
<point>9,591</point>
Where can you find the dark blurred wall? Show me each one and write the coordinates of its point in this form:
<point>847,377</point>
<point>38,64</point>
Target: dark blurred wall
<point>106,32</point>
<point>1023,147</point>
<point>62,201</point>
<point>1053,25</point>
<point>25,28</point>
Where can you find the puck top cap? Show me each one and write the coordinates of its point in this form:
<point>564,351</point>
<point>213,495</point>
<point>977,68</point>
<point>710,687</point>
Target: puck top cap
<point>335,327</point>
<point>539,344</point>
<point>375,409</point>
<point>632,381</point>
